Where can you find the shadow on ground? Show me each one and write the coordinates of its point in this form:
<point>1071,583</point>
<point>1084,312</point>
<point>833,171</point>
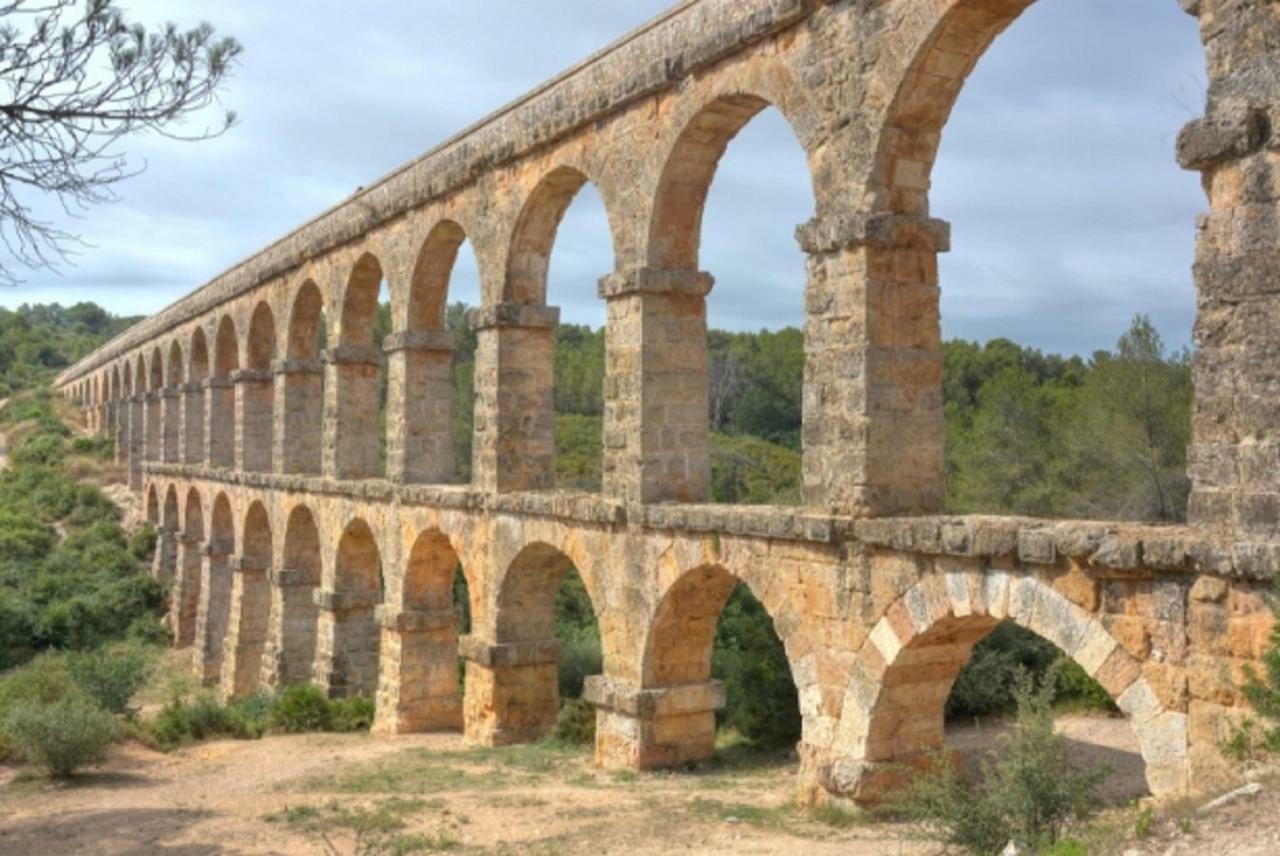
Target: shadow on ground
<point>105,832</point>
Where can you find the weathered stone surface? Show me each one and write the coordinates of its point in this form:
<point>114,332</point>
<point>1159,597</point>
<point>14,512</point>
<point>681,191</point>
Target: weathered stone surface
<point>299,552</point>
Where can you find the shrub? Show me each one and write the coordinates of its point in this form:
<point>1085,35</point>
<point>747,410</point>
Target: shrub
<point>576,723</point>
<point>62,736</point>
<point>1029,791</point>
<point>143,542</point>
<point>300,708</point>
<point>351,714</point>
<point>181,722</point>
<point>109,676</point>
<point>761,702</point>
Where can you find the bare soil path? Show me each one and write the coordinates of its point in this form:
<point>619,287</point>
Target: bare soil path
<point>359,794</point>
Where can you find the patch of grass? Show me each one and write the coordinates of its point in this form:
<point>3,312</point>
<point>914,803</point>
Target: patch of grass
<point>518,801</point>
<point>837,816</point>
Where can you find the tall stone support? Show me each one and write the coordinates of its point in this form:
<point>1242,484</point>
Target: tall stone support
<point>420,407</point>
<point>171,419</point>
<point>153,426</point>
<point>213,613</point>
<point>656,432</point>
<point>512,690</point>
<point>347,642</point>
<point>299,413</point>
<point>246,636</point>
<point>164,563</point>
<point>111,424</point>
<point>873,418</point>
<point>1234,458</point>
<point>184,598</point>
<point>418,672</point>
<point>137,406</point>
<point>290,650</point>
<point>220,423</point>
<point>191,428</point>
<point>255,417</point>
<point>514,433</point>
<point>351,424</point>
<point>647,729</point>
<point>122,431</point>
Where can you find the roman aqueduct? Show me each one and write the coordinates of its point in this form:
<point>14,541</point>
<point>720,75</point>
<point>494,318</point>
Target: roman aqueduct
<point>294,557</point>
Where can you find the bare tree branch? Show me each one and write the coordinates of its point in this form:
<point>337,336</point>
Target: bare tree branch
<point>76,78</point>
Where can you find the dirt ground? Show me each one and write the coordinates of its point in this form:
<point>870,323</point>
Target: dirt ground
<point>358,794</point>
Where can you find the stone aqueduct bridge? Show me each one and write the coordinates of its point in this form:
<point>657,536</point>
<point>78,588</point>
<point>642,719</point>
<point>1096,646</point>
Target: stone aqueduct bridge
<point>294,558</point>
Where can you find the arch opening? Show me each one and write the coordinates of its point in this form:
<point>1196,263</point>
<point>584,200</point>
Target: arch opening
<point>214,615</point>
<point>358,371</point>
<point>184,600</point>
<point>194,407</point>
<point>222,444</point>
<point>358,590</point>
<point>255,394</point>
<point>304,383</point>
<point>914,667</point>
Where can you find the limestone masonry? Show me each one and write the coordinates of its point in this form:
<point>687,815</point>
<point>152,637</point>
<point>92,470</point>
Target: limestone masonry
<point>294,558</point>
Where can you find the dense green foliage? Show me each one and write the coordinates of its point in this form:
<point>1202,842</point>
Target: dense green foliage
<point>292,710</point>
<point>71,592</point>
<point>36,342</point>
<point>1028,790</point>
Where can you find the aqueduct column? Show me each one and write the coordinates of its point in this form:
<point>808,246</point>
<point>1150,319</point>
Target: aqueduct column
<point>514,434</point>
<point>418,671</point>
<point>153,429</point>
<point>299,411</point>
<point>649,729</point>
<point>255,418</point>
<point>246,635</point>
<point>655,436</point>
<point>512,695</point>
<point>165,561</point>
<point>171,419</point>
<point>1234,459</point>
<point>219,439</point>
<point>136,429</point>
<point>420,406</point>
<point>291,629</point>
<point>351,414</point>
<point>213,611</point>
<point>184,599</point>
<point>873,421</point>
<point>191,428</point>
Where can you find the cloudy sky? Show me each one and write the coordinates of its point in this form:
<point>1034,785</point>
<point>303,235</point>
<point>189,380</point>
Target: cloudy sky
<point>1069,214</point>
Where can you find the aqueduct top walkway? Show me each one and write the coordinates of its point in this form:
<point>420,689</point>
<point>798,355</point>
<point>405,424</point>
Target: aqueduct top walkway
<point>297,556</point>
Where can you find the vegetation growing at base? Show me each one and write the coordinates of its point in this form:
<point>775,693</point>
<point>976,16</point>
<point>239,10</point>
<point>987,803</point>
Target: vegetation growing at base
<point>1028,790</point>
<point>74,591</point>
<point>293,710</point>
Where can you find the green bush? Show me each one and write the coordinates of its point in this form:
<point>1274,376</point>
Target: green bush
<point>1029,790</point>
<point>143,542</point>
<point>351,714</point>
<point>181,722</point>
<point>300,708</point>
<point>62,736</point>
<point>577,628</point>
<point>109,676</point>
<point>575,723</point>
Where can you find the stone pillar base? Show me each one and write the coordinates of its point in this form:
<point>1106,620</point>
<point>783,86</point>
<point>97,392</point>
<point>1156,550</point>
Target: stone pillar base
<point>418,680</point>
<point>512,693</point>
<point>649,729</point>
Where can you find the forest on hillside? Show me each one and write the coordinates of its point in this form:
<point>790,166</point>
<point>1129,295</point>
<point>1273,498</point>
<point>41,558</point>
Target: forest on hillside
<point>38,341</point>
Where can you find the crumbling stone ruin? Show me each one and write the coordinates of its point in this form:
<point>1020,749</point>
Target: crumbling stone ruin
<point>293,558</point>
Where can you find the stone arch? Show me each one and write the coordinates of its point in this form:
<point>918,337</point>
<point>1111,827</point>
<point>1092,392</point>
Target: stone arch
<point>689,168</point>
<point>214,615</point>
<point>155,373</point>
<point>357,591</point>
<point>527,593</point>
<point>529,255</point>
<point>255,399</point>
<point>904,670</point>
<point>429,285</point>
<point>676,662</point>
<point>222,398</point>
<point>250,605</point>
<point>199,350</point>
<point>292,634</point>
<point>303,384</point>
<point>176,374</point>
<point>153,505</point>
<point>171,518</point>
<point>360,302</point>
<point>418,690</point>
